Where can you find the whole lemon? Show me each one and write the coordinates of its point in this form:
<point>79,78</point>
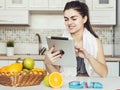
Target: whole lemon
<point>28,63</point>
<point>46,80</point>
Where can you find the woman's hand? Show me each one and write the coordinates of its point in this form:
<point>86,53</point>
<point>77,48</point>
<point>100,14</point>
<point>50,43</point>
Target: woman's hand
<point>81,52</point>
<point>52,55</point>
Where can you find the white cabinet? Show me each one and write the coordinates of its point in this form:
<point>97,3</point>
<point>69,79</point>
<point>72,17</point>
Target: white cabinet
<point>38,4</point>
<point>2,4</point>
<point>47,4</point>
<point>104,4</point>
<point>113,69</point>
<point>14,12</point>
<point>16,4</point>
<point>14,17</point>
<point>102,12</point>
<point>57,4</point>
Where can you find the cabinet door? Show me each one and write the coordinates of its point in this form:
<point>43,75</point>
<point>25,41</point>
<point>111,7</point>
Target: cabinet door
<point>2,4</point>
<point>17,4</point>
<point>57,4</point>
<point>104,4</point>
<point>113,69</point>
<point>103,12</point>
<point>100,17</point>
<point>38,4</point>
<point>14,17</point>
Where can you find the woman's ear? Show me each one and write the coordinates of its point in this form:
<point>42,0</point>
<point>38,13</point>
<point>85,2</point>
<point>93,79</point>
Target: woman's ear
<point>85,19</point>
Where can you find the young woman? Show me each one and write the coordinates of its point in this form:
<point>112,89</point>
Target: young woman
<point>89,50</point>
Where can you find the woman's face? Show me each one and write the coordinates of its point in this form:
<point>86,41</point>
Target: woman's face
<point>73,20</point>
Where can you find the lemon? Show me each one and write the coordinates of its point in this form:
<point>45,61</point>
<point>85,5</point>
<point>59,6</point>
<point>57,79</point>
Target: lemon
<point>46,81</point>
<point>54,80</point>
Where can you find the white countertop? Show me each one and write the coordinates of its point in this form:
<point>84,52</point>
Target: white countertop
<point>110,83</point>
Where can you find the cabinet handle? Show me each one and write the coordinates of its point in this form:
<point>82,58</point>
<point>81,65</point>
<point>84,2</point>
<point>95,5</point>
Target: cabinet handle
<point>104,6</point>
<point>5,21</point>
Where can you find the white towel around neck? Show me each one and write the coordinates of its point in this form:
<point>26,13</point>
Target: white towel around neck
<point>91,46</point>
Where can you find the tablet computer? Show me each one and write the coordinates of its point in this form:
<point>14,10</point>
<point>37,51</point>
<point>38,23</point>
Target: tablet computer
<point>65,44</point>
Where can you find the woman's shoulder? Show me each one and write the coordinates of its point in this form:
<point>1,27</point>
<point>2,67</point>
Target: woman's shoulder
<point>99,41</point>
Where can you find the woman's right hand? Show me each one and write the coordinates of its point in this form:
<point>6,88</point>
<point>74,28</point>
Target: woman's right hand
<point>52,55</point>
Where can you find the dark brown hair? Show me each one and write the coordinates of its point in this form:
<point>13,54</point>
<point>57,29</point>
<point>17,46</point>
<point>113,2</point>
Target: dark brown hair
<point>82,8</point>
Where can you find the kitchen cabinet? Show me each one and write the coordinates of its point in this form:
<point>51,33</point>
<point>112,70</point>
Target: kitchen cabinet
<point>14,17</point>
<point>102,12</point>
<point>104,5</point>
<point>47,4</point>
<point>14,12</point>
<point>113,69</point>
<point>2,4</point>
<point>57,4</point>
<point>38,4</point>
<point>16,4</point>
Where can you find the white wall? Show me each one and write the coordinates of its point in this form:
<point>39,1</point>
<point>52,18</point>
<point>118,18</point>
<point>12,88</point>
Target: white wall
<point>117,31</point>
<point>47,21</point>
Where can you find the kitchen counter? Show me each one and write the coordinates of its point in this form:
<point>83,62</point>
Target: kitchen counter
<point>35,57</point>
<point>108,84</point>
<point>41,57</point>
<point>110,58</point>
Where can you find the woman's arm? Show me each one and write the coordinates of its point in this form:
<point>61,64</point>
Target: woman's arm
<point>99,63</point>
<point>50,57</point>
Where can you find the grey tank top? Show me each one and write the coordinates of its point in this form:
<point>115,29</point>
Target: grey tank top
<point>81,69</point>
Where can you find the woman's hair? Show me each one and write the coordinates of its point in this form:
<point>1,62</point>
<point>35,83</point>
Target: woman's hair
<point>82,8</point>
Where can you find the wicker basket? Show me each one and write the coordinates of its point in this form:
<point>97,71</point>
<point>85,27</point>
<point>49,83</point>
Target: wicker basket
<point>22,78</point>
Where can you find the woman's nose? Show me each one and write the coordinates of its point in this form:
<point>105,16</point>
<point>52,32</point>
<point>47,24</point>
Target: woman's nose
<point>70,22</point>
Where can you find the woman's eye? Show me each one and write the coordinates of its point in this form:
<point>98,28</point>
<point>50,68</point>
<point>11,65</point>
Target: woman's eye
<point>74,19</point>
<point>66,19</point>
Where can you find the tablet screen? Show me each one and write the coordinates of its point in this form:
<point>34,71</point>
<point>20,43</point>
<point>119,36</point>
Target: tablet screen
<point>65,44</point>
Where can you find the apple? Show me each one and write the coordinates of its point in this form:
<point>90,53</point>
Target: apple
<point>28,63</point>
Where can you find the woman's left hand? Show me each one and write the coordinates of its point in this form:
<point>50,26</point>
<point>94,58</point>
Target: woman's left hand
<point>81,52</point>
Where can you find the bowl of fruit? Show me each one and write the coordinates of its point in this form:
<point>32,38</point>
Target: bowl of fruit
<point>21,74</point>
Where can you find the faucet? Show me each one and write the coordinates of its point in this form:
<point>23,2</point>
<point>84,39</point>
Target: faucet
<point>41,49</point>
<point>40,41</point>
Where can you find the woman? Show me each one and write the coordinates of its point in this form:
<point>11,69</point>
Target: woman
<point>89,50</point>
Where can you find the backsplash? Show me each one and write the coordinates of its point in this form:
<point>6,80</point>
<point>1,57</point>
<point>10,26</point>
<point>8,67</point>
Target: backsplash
<point>23,34</point>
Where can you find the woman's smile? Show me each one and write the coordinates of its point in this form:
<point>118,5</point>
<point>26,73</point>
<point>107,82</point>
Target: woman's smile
<point>71,27</point>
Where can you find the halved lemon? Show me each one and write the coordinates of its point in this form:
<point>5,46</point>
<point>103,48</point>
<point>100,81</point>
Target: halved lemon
<point>55,80</point>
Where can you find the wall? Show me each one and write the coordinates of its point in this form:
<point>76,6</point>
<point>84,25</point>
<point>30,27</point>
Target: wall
<point>47,21</point>
<point>117,32</point>
<point>45,24</point>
